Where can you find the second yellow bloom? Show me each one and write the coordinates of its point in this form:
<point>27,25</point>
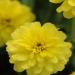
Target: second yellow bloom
<point>12,15</point>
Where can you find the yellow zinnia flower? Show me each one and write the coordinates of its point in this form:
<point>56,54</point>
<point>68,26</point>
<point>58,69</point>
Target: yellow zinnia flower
<point>12,15</point>
<point>67,7</point>
<point>73,73</point>
<point>41,50</point>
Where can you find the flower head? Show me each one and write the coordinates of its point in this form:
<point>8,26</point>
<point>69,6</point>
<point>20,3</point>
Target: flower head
<point>67,7</point>
<point>41,50</point>
<point>12,15</point>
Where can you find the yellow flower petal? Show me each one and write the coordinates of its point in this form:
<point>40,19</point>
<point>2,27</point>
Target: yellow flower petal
<point>73,73</point>
<point>56,1</point>
<point>71,2</point>
<point>68,14</point>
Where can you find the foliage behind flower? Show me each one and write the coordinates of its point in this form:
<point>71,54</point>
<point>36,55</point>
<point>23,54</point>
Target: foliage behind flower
<point>67,7</point>
<point>41,50</point>
<point>12,15</point>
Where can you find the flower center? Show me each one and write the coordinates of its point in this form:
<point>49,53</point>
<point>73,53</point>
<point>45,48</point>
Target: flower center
<point>6,22</point>
<point>39,47</point>
<point>39,44</point>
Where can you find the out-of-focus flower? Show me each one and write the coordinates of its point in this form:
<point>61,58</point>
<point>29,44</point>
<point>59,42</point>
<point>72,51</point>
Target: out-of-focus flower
<point>67,7</point>
<point>41,50</point>
<point>12,15</point>
<point>73,73</point>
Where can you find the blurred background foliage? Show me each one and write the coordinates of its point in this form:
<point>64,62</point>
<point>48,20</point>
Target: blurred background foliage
<point>45,12</point>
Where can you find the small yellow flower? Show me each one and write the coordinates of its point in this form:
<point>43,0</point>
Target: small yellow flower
<point>73,73</point>
<point>41,50</point>
<point>12,15</point>
<point>67,7</point>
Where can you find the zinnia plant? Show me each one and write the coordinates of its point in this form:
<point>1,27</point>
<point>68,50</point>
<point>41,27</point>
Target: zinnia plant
<point>37,37</point>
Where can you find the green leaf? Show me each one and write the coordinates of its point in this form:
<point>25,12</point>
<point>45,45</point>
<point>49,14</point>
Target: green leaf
<point>28,2</point>
<point>73,30</point>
